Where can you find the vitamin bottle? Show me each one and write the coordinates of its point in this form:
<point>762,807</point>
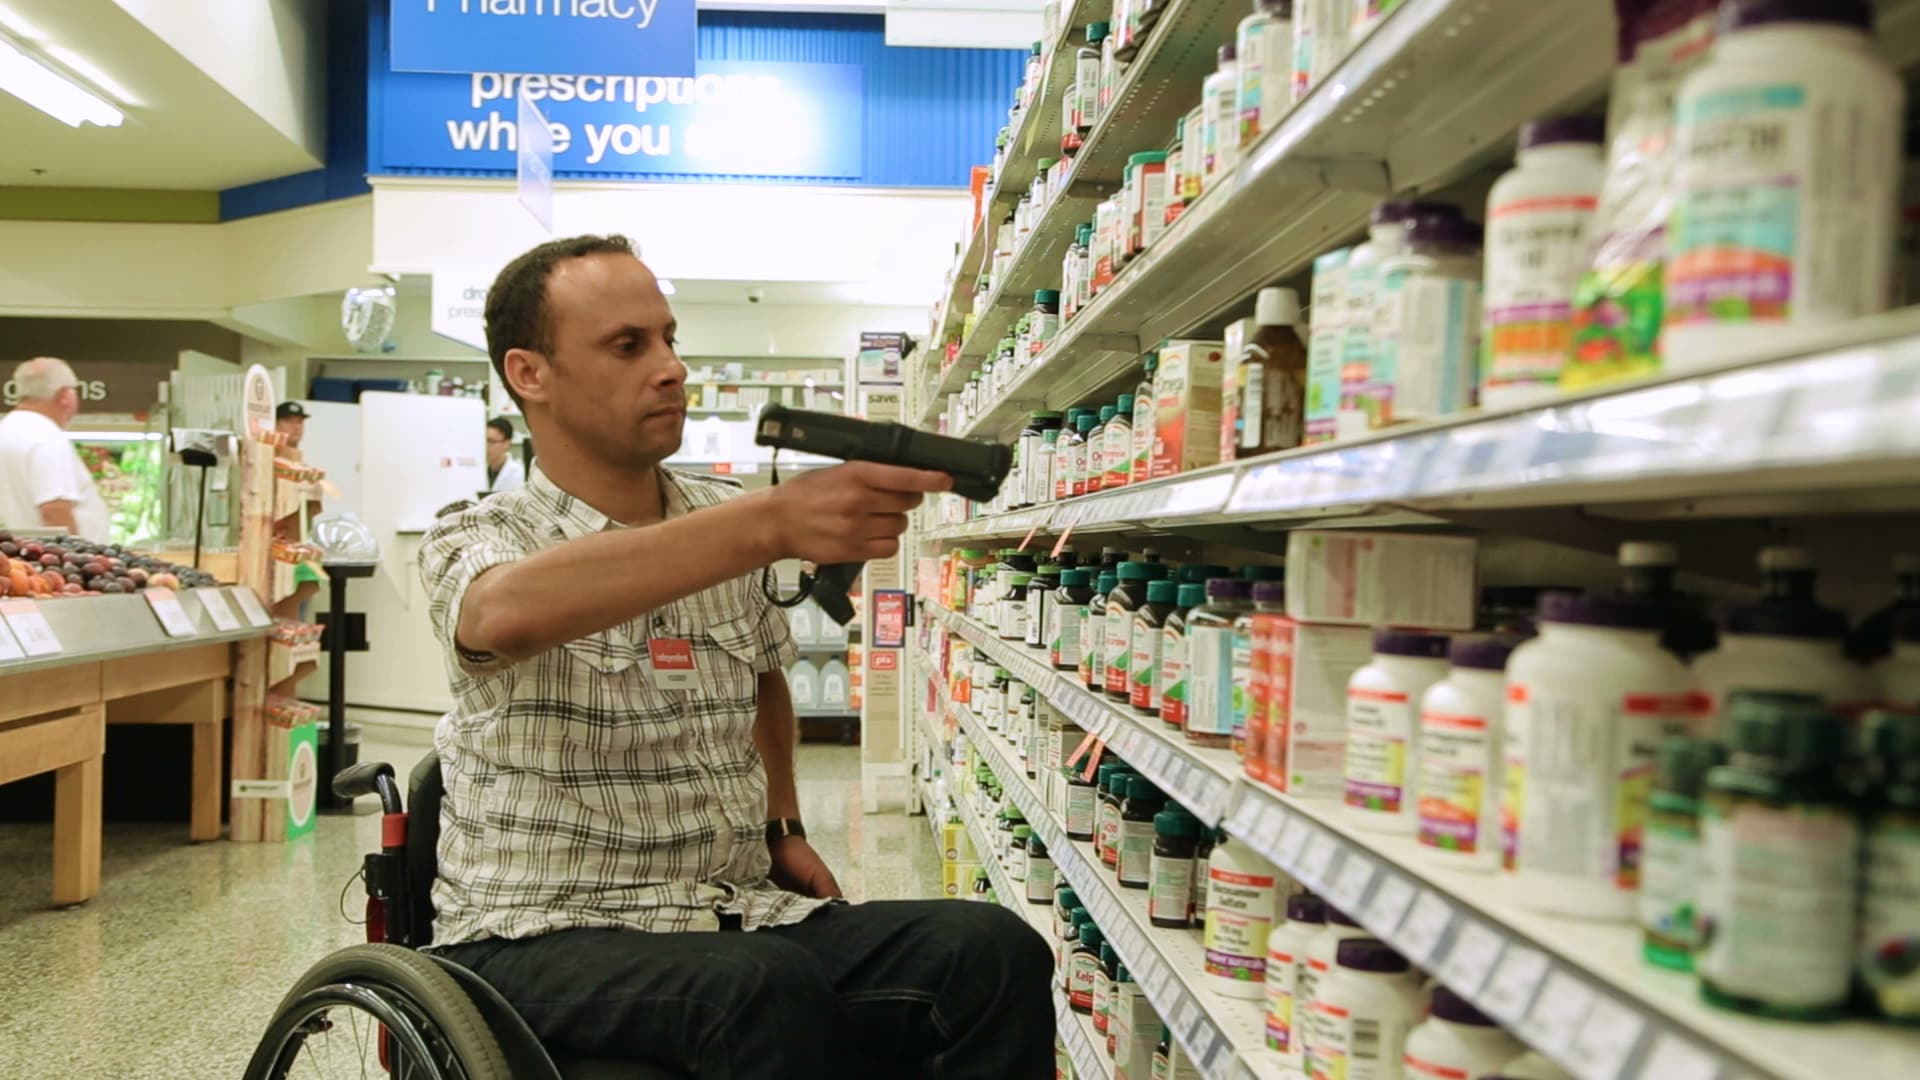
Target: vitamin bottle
<point>1040,872</point>
<point>1647,572</point>
<point>1254,708</point>
<point>1456,1040</point>
<point>1461,720</point>
<point>1082,805</point>
<point>1103,987</point>
<point>1538,218</point>
<point>1670,858</point>
<point>1093,634</point>
<point>1142,432</point>
<point>1202,854</point>
<point>1576,783</point>
<point>1193,159</point>
<point>1044,323</point>
<point>1241,898</point>
<point>993,702</point>
<point>1014,609</point>
<point>1359,309</point>
<point>1126,597</point>
<point>1263,47</point>
<point>1220,126</point>
<point>1786,179</point>
<point>1017,855</point>
<point>1065,902</point>
<point>1779,843</point>
<point>1084,451</point>
<point>1097,448</point>
<point>1086,91</point>
<point>1270,378</point>
<point>1063,620</point>
<point>1326,337</point>
<point>1083,967</point>
<point>1146,201</point>
<point>1148,625</point>
<point>1322,948</point>
<point>1426,348</point>
<point>1383,727</point>
<point>1143,804</point>
<point>1173,654</point>
<point>1286,953</point>
<point>1890,901</point>
<point>1170,1060</point>
<point>1042,603</point>
<point>1170,893</point>
<point>1210,686</point>
<point>1106,813</point>
<point>1133,1028</point>
<point>1366,1006</point>
<point>1119,452</point>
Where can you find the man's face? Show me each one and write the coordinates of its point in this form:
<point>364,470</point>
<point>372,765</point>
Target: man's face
<point>497,445</point>
<point>293,427</point>
<point>66,405</point>
<point>613,382</point>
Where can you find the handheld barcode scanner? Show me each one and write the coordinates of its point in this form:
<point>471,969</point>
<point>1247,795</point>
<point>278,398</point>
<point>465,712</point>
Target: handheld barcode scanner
<point>977,469</point>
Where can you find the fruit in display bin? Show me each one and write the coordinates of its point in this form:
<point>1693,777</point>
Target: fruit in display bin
<point>68,566</point>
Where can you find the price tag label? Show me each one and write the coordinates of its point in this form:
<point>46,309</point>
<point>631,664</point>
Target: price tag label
<point>173,617</point>
<point>219,609</point>
<point>1158,979</point>
<point>1511,987</point>
<point>1605,1041</point>
<point>1470,957</point>
<point>1183,1014</point>
<point>9,645</point>
<point>1317,859</point>
<point>1389,904</point>
<point>1214,793</point>
<point>1266,830</point>
<point>1557,1014</point>
<point>30,627</point>
<point>1350,884</point>
<point>250,606</point>
<point>1293,841</point>
<point>1424,925</point>
<point>1674,1058</point>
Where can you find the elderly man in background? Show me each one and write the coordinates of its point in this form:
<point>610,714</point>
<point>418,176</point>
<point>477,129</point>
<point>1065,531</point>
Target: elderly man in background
<point>43,482</point>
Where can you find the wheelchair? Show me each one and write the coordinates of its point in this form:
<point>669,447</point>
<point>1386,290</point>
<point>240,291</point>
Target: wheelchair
<point>387,1007</point>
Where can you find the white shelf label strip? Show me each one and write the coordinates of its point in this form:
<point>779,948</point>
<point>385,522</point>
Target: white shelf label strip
<point>1605,1041</point>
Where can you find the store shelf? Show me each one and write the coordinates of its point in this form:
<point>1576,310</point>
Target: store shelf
<point>95,629</point>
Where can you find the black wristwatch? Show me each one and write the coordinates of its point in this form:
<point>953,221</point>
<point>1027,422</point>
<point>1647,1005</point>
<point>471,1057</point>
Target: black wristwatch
<point>782,827</point>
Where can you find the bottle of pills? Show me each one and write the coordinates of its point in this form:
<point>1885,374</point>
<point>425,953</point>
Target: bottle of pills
<point>1138,814</point>
<point>1355,315</point>
<point>1143,410</point>
<point>1786,179</point>
<point>1462,721</point>
<point>1383,727</point>
<point>1220,131</point>
<point>1103,987</point>
<point>1538,217</point>
<point>1096,477</point>
<point>1063,620</point>
<point>1202,857</point>
<point>1080,820</point>
<point>1427,324</point>
<point>1326,337</point>
<point>1263,47</point>
<point>1210,686</point>
<point>1318,965</point>
<point>1083,968</point>
<point>1366,1006</point>
<point>1647,572</point>
<point>1119,452</point>
<point>1106,838</point>
<point>1041,602</point>
<point>1250,693</point>
<point>1040,872</point>
<point>1147,201</point>
<point>1065,902</point>
<point>1133,1028</point>
<point>1787,646</point>
<point>1093,634</point>
<point>1241,903</point>
<point>1286,954</point>
<point>1148,624</point>
<point>1890,902</point>
<point>1173,654</point>
<point>1170,892</point>
<point>1574,785</point>
<point>1456,1040</point>
<point>1126,597</point>
<point>1017,854</point>
<point>1670,858</point>
<point>1779,844</point>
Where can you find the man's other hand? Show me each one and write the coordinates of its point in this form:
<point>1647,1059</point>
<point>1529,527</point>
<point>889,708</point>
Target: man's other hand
<point>799,868</point>
<point>848,513</point>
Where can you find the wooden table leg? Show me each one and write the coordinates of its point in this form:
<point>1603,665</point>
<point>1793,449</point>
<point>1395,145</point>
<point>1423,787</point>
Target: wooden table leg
<point>204,820</point>
<point>76,832</point>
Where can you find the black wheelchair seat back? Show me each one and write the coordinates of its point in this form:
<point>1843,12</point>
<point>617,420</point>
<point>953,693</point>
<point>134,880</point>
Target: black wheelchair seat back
<point>426,789</point>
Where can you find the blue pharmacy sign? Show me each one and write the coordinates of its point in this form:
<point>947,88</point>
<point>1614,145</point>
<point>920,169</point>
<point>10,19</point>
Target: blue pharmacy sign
<point>576,37</point>
<point>743,118</point>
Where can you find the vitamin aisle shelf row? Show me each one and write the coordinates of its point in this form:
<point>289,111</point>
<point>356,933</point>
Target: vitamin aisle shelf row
<point>1224,1036</point>
<point>1827,408</point>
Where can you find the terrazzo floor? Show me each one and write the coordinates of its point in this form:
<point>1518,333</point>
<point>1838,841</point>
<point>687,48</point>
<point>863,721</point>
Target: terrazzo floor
<point>174,969</point>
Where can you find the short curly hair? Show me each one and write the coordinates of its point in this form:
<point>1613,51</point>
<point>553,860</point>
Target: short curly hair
<point>516,309</point>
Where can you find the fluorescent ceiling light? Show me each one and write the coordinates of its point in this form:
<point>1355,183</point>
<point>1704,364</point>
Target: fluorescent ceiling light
<point>52,93</point>
<point>84,68</point>
<point>666,287</point>
<point>20,27</point>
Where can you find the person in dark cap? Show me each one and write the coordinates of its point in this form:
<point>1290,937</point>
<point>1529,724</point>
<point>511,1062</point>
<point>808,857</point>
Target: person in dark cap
<point>290,419</point>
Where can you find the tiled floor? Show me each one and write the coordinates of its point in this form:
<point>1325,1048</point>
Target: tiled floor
<point>173,970</point>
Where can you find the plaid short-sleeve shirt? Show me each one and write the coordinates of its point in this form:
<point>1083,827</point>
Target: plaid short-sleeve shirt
<point>579,791</point>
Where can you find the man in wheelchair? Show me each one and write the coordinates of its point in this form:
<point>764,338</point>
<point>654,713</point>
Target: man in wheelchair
<point>621,854</point>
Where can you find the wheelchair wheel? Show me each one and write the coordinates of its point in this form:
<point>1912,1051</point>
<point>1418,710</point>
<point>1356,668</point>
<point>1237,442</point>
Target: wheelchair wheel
<point>378,1010</point>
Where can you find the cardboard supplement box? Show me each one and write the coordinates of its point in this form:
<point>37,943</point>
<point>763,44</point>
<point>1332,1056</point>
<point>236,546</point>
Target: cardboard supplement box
<point>1186,396</point>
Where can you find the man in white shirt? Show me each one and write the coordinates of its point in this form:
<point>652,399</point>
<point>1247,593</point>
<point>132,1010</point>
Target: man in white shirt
<point>43,483</point>
<point>504,471</point>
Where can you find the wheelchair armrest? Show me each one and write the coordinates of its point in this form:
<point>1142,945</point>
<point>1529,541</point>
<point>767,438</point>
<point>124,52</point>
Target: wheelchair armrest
<point>363,779</point>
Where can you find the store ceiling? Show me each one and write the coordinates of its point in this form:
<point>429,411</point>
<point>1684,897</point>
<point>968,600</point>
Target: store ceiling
<point>183,131</point>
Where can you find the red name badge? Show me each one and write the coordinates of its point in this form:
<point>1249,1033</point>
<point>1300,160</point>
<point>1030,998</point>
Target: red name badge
<point>673,667</point>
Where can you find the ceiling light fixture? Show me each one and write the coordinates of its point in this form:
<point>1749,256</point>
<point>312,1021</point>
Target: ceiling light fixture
<point>85,68</point>
<point>52,93</point>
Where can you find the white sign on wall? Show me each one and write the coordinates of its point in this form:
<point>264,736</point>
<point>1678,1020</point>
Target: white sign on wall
<point>460,304</point>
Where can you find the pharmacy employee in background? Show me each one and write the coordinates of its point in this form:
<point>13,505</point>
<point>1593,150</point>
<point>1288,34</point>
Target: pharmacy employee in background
<point>621,852</point>
<point>504,471</point>
<point>43,482</point>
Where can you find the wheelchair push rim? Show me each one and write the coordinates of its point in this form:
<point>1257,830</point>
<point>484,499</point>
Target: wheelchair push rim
<point>355,1030</point>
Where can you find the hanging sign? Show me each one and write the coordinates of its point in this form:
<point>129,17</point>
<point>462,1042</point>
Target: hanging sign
<point>534,170</point>
<point>573,36</point>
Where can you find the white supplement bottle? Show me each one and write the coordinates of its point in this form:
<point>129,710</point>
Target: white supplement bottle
<point>1538,218</point>
<point>1786,179</point>
<point>1326,334</point>
<point>1220,127</point>
<point>1319,41</point>
<point>1456,1042</point>
<point>1242,899</point>
<point>1322,949</point>
<point>1531,1066</point>
<point>1359,297</point>
<point>1362,1013</point>
<point>1576,782</point>
<point>1426,327</point>
<point>1462,719</point>
<point>1286,955</point>
<point>1383,727</point>
<point>1264,49</point>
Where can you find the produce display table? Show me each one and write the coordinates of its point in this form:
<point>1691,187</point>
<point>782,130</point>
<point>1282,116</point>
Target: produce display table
<point>115,663</point>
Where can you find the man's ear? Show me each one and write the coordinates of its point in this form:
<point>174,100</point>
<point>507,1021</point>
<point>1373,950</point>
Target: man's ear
<point>528,373</point>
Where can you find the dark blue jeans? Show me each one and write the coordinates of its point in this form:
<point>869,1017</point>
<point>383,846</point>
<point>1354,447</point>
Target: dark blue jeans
<point>910,988</point>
